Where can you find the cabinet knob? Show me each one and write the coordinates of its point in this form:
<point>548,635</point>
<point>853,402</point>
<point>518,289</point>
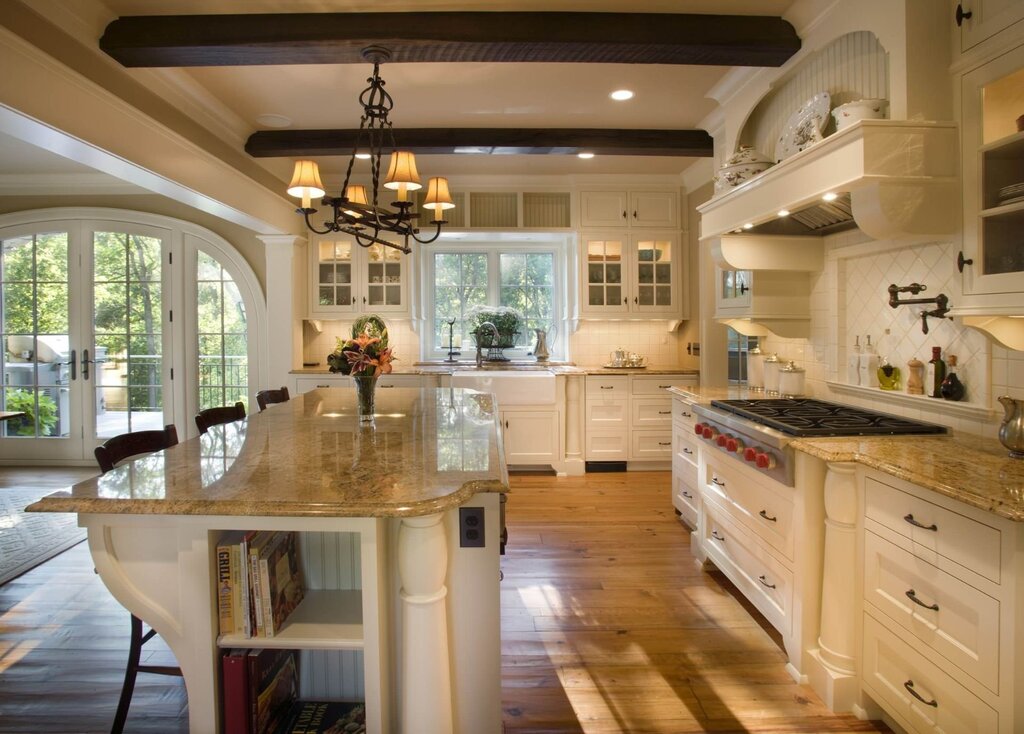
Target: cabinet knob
<point>626,301</point>
<point>364,300</point>
<point>623,213</point>
<point>961,261</point>
<point>636,300</point>
<point>634,214</point>
<point>353,300</point>
<point>961,16</point>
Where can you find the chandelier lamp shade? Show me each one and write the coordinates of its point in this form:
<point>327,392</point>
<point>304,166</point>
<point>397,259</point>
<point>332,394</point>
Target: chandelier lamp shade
<point>358,211</point>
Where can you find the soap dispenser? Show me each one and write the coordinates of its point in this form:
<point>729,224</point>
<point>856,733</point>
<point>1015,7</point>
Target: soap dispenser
<point>853,363</point>
<point>868,365</point>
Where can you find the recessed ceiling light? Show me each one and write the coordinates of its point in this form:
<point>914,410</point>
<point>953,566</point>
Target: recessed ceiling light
<point>830,196</point>
<point>363,156</point>
<point>585,155</point>
<point>275,121</point>
<point>621,95</point>
<point>748,225</point>
<point>783,212</point>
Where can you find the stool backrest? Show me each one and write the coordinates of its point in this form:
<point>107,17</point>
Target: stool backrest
<point>270,397</point>
<point>216,416</point>
<point>117,449</point>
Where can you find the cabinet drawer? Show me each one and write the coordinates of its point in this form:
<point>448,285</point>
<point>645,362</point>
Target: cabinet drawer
<point>933,530</point>
<point>651,413</point>
<point>651,445</point>
<point>766,582</point>
<point>657,384</point>
<point>601,386</point>
<point>607,415</point>
<point>753,501</point>
<point>684,449</point>
<point>607,446</point>
<point>953,618</point>
<point>682,414</point>
<point>892,669</point>
<point>684,499</point>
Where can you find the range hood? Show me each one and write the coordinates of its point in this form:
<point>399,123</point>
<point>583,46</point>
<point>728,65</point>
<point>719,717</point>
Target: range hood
<point>896,179</point>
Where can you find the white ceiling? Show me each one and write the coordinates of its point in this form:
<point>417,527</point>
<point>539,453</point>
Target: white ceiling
<point>440,95</point>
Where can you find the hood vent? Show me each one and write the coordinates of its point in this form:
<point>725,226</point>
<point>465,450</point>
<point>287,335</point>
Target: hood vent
<point>817,220</point>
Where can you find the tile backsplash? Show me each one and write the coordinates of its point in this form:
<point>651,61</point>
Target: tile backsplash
<point>850,299</point>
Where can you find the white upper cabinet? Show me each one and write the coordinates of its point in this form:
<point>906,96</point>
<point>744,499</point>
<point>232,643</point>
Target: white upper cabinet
<point>979,20</point>
<point>634,208</point>
<point>346,278</point>
<point>634,273</point>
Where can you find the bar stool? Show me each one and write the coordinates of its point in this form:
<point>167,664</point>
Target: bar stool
<point>112,452</point>
<point>219,415</point>
<point>270,397</point>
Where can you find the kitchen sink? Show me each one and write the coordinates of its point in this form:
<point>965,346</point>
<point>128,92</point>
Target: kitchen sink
<point>510,387</point>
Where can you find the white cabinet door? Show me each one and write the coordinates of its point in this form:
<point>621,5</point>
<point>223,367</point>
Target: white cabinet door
<point>629,209</point>
<point>653,208</point>
<point>604,209</point>
<point>604,275</point>
<point>631,274</point>
<point>732,291</point>
<point>531,437</point>
<point>346,279</point>
<point>988,17</point>
<point>657,273</point>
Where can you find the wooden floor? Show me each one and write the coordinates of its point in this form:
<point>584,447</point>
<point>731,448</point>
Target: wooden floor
<point>607,626</point>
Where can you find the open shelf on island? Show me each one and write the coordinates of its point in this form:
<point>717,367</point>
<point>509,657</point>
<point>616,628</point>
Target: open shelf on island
<point>326,619</point>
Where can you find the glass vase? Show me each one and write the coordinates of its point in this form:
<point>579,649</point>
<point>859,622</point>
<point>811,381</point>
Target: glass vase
<point>365,389</point>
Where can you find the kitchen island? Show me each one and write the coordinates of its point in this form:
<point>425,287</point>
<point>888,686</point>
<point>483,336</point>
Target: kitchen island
<point>397,611</point>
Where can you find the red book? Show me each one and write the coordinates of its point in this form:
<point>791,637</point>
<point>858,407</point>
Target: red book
<point>236,692</point>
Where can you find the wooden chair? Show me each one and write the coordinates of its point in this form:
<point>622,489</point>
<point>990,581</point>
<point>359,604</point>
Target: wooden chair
<point>111,453</point>
<point>216,416</point>
<point>270,397</point>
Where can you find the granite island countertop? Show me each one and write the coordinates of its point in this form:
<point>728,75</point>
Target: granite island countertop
<point>430,450</point>
<point>972,469</point>
<point>559,368</point>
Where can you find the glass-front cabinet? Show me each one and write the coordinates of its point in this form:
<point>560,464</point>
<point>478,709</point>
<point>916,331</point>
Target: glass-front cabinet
<point>733,289</point>
<point>350,279</point>
<point>993,155</point>
<point>630,273</point>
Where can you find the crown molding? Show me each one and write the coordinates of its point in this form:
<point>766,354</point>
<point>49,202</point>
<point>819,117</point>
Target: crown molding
<point>65,184</point>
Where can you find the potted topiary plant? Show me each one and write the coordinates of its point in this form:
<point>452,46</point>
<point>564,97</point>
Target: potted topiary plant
<point>507,323</point>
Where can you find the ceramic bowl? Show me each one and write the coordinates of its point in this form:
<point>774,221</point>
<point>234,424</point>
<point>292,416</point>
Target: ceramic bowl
<point>863,109</point>
<point>741,166</point>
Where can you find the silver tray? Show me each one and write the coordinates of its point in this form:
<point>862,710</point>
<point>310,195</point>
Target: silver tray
<point>624,366</point>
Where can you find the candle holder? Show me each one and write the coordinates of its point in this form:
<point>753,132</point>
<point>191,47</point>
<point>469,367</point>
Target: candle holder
<point>452,352</point>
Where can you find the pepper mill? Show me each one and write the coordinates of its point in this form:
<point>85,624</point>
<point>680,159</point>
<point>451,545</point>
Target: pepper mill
<point>915,377</point>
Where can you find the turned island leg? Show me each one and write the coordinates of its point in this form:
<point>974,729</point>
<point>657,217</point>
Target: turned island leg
<point>426,672</point>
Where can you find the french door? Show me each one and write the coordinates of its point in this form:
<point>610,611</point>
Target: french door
<point>84,315</point>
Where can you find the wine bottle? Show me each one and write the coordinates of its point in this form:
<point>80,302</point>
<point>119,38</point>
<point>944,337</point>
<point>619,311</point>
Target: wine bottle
<point>935,373</point>
<point>952,388</point>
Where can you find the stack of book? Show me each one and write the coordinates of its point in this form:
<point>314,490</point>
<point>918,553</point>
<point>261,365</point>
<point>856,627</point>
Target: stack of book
<point>259,581</point>
<point>261,697</point>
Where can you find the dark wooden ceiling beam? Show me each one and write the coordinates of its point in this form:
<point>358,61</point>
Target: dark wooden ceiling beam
<point>493,141</point>
<point>338,38</point>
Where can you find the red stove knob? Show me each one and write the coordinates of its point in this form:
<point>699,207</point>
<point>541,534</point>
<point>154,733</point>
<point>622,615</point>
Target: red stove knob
<point>722,439</point>
<point>709,432</point>
<point>733,445</point>
<point>750,454</point>
<point>765,460</point>
<point>699,429</point>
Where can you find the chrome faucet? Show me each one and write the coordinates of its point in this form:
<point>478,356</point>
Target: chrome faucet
<point>477,332</point>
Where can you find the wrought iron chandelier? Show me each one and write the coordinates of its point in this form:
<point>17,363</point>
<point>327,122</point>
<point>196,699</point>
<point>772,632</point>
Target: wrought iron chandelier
<point>367,220</point>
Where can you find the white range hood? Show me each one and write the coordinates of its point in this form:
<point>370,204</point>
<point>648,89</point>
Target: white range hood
<point>902,177</point>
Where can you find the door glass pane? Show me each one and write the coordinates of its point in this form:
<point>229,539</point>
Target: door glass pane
<point>35,317</point>
<point>223,336</point>
<point>126,365</point>
<point>604,272</point>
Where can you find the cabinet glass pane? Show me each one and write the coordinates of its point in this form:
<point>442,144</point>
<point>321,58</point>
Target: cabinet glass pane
<point>645,272</point>
<point>646,295</point>
<point>1002,104</point>
<point>1003,243</point>
<point>326,296</point>
<point>596,295</point>
<point>393,295</point>
<point>663,295</point>
<point>604,272</point>
<point>375,295</point>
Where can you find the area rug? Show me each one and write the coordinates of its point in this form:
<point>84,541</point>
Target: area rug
<point>29,538</point>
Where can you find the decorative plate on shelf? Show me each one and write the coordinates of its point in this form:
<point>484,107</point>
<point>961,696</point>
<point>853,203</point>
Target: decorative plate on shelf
<point>805,127</point>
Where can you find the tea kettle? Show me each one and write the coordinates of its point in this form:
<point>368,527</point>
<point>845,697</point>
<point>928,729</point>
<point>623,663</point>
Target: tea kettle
<point>1011,432</point>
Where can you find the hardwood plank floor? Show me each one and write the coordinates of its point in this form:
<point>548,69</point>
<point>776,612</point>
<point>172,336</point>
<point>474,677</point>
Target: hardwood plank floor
<point>608,625</point>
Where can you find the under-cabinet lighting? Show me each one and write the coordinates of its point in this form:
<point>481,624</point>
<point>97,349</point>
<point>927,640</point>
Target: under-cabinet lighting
<point>363,156</point>
<point>748,225</point>
<point>620,95</point>
<point>830,196</point>
<point>783,212</point>
<point>585,156</point>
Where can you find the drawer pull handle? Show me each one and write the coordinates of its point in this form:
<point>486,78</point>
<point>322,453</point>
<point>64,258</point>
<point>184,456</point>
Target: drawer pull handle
<point>909,685</point>
<point>716,536</point>
<point>764,514</point>
<point>687,495</point>
<point>912,595</point>
<point>714,480</point>
<point>607,387</point>
<point>684,414</point>
<point>687,451</point>
<point>323,385</point>
<point>910,518</point>
<point>764,582</point>
<point>664,443</point>
<point>664,387</point>
<point>664,412</point>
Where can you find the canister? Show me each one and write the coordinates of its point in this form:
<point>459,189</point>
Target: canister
<point>771,374</point>
<point>755,369</point>
<point>791,381</point>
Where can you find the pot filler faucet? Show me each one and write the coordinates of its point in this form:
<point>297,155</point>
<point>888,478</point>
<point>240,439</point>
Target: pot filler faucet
<point>477,332</point>
<point>941,302</point>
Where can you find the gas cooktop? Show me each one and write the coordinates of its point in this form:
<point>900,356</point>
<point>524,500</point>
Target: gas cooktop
<point>805,417</point>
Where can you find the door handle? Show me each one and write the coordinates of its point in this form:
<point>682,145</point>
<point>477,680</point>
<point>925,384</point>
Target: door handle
<point>72,363</point>
<point>85,364</point>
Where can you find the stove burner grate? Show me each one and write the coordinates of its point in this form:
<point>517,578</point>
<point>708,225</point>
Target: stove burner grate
<point>810,417</point>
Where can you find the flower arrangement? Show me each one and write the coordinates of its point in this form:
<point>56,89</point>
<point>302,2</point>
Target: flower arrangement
<point>367,353</point>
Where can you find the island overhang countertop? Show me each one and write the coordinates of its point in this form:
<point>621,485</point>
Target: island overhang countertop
<point>430,450</point>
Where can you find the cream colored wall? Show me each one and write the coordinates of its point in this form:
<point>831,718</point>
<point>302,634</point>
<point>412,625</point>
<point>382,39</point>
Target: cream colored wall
<point>242,239</point>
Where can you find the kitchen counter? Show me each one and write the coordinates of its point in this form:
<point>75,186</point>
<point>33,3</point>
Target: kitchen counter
<point>309,457</point>
<point>559,368</point>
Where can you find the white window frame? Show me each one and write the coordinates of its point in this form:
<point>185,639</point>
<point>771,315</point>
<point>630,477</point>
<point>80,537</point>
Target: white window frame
<point>557,245</point>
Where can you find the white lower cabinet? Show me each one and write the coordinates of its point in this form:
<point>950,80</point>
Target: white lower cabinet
<point>943,642</point>
<point>305,383</point>
<point>685,495</point>
<point>531,436</point>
